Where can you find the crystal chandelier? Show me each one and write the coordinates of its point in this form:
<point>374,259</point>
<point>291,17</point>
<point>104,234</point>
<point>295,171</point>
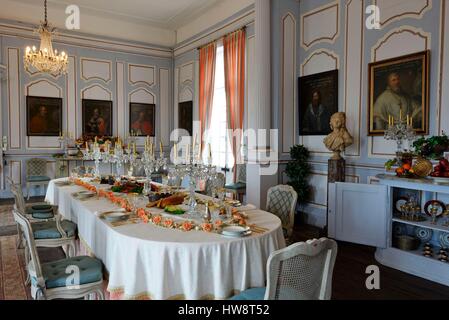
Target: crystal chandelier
<point>46,59</point>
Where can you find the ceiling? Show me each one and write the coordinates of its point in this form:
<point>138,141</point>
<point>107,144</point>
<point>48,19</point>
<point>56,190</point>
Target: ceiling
<point>167,14</point>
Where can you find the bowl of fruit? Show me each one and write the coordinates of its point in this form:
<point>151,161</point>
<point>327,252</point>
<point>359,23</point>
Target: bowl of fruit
<point>441,171</point>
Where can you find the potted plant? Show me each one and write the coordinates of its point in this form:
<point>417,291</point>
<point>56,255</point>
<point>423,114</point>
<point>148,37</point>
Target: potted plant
<point>298,171</point>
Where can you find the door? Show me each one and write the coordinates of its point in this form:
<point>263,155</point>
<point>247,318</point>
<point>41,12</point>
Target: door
<point>358,213</point>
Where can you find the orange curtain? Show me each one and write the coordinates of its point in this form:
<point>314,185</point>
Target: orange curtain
<point>234,61</point>
<point>207,84</point>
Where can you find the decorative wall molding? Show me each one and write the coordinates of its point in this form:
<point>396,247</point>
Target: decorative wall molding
<point>120,103</point>
<point>32,72</point>
<point>245,19</point>
<point>71,95</point>
<point>96,92</point>
<point>98,69</point>
<point>43,88</point>
<point>185,94</point>
<point>443,106</point>
<point>288,83</point>
<point>395,10</point>
<point>141,74</point>
<point>320,60</point>
<point>186,73</point>
<point>164,96</point>
<point>353,79</point>
<point>400,41</point>
<point>318,32</point>
<point>142,95</point>
<point>14,116</point>
<point>14,29</point>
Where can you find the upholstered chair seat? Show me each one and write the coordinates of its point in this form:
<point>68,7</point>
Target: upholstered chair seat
<point>38,178</point>
<point>250,294</point>
<point>48,229</point>
<point>55,274</point>
<point>41,214</point>
<point>236,186</point>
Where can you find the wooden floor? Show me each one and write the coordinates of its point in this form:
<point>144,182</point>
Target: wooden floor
<point>349,273</point>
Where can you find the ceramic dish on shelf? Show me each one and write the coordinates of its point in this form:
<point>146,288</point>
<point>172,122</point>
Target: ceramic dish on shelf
<point>401,202</point>
<point>438,205</point>
<point>423,234</point>
<point>444,239</point>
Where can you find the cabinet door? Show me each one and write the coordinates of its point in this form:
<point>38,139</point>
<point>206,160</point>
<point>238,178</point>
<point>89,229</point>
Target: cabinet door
<point>358,213</point>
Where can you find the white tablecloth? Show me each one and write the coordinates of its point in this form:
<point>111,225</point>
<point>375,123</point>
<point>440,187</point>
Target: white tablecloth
<point>147,261</point>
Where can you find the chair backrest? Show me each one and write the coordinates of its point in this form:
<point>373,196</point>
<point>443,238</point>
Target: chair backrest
<point>19,199</point>
<point>34,267</point>
<point>217,181</point>
<point>281,201</point>
<point>36,167</point>
<point>302,271</point>
<point>241,172</point>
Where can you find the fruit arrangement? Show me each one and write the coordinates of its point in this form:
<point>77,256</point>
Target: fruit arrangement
<point>441,170</point>
<point>405,171</point>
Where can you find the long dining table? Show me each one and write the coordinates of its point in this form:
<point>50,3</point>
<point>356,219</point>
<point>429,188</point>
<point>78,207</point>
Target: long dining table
<point>146,261</point>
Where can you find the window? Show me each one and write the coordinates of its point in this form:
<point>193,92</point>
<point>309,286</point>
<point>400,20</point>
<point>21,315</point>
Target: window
<point>221,149</point>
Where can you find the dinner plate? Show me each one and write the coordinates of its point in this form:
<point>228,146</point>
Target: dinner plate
<point>63,183</point>
<point>234,230</point>
<point>84,194</point>
<point>115,216</point>
<point>440,206</point>
<point>237,235</point>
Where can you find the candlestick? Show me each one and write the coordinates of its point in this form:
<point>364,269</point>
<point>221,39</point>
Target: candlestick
<point>188,154</point>
<point>161,149</point>
<point>400,114</point>
<point>175,153</point>
<point>87,146</point>
<point>134,148</point>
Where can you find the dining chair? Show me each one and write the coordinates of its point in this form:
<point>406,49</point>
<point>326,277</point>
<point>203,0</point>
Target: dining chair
<point>238,189</point>
<point>302,271</point>
<point>36,174</point>
<point>70,278</point>
<point>49,229</point>
<point>281,201</point>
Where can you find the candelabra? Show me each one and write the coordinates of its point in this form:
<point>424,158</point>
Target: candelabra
<point>96,155</point>
<point>65,139</point>
<point>400,131</point>
<point>151,164</point>
<point>195,170</point>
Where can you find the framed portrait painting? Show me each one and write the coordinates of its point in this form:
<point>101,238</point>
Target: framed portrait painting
<point>399,91</point>
<point>185,116</point>
<point>142,119</point>
<point>97,118</point>
<point>44,116</point>
<point>318,101</point>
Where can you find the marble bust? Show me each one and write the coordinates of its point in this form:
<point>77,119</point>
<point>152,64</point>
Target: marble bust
<point>340,138</point>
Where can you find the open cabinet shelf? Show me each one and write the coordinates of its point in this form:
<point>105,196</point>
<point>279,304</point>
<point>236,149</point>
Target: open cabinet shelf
<point>365,213</point>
